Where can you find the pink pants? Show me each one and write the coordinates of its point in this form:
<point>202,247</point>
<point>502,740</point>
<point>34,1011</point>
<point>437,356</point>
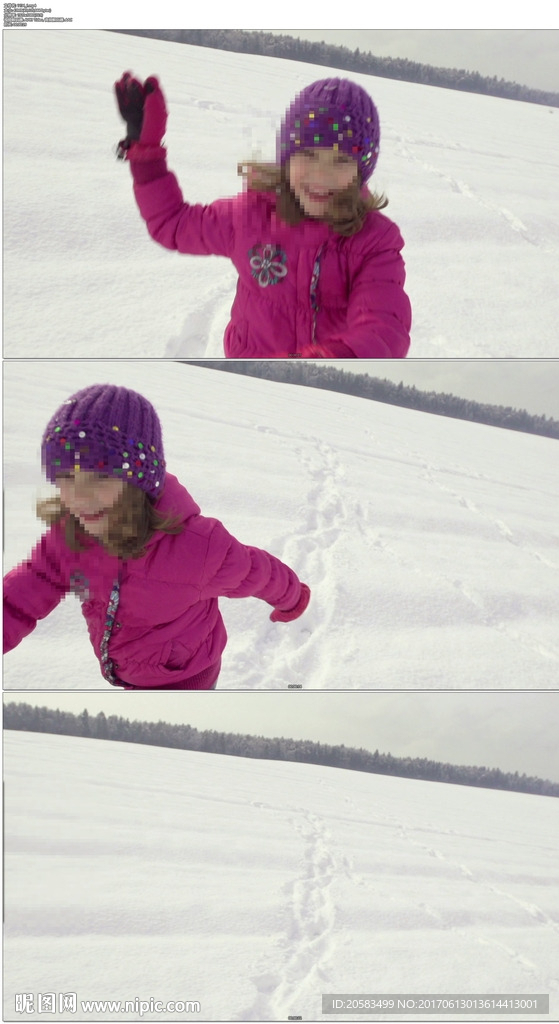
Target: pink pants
<point>205,680</point>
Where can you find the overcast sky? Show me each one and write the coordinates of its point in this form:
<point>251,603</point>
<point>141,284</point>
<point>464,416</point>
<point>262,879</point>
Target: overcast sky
<point>514,731</point>
<point>526,56</point>
<point>531,384</point>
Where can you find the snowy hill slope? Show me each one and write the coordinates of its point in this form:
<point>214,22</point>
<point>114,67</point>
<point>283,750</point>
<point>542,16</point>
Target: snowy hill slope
<point>255,886</point>
<point>471,182</point>
<point>431,545</point>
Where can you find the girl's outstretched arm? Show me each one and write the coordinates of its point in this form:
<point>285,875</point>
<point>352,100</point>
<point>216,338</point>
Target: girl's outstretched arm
<point>237,570</point>
<point>33,589</point>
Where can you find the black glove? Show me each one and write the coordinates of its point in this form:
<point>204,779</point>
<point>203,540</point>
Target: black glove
<point>130,95</point>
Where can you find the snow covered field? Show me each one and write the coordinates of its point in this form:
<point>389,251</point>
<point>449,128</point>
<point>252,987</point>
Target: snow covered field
<point>472,183</point>
<point>255,886</point>
<point>431,545</point>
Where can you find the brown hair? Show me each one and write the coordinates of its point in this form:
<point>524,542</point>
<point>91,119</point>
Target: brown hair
<point>348,209</point>
<point>133,520</point>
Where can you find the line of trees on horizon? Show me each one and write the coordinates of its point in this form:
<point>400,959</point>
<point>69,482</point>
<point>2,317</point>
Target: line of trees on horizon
<point>30,718</point>
<point>361,385</point>
<point>331,56</point>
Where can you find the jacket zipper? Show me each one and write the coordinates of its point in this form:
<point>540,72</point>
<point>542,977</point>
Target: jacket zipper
<point>107,666</point>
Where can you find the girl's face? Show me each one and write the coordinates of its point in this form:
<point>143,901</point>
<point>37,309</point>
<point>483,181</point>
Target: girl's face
<point>90,498</point>
<point>316,175</point>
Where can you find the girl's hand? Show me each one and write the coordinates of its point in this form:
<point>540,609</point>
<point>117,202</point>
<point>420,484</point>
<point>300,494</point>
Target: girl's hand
<point>330,350</point>
<point>293,613</point>
<point>130,98</point>
<point>143,108</point>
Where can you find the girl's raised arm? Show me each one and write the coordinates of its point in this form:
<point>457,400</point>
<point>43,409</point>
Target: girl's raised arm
<point>173,223</point>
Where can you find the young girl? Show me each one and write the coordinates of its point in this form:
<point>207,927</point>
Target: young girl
<point>128,539</point>
<point>320,270</point>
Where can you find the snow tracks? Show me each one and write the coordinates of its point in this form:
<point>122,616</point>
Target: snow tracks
<point>308,943</point>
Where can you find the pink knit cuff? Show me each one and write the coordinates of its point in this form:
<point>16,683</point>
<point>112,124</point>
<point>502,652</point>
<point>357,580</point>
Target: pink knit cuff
<point>144,173</point>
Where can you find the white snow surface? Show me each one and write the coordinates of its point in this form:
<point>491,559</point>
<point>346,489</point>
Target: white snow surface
<point>255,886</point>
<point>431,545</point>
<point>472,184</point>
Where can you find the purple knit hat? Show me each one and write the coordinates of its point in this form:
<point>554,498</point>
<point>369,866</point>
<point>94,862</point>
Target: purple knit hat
<point>332,112</point>
<point>106,429</point>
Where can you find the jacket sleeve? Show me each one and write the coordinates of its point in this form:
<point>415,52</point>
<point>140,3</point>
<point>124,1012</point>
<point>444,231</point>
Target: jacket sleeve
<point>173,223</point>
<point>33,589</point>
<point>379,312</point>
<point>233,569</point>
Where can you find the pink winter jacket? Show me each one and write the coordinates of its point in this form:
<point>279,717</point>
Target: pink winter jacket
<point>363,311</point>
<point>168,627</point>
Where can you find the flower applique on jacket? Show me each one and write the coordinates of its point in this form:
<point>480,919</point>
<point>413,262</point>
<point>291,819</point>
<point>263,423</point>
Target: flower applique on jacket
<point>268,264</point>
